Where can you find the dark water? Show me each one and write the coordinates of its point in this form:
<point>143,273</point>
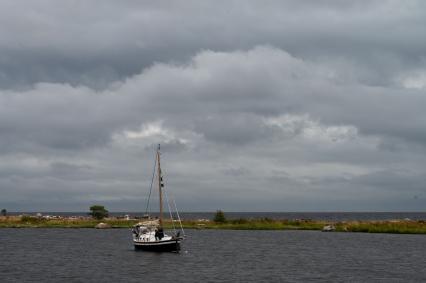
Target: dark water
<point>89,255</point>
<point>328,216</point>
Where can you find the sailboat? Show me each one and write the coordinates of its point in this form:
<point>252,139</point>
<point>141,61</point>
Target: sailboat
<point>149,235</point>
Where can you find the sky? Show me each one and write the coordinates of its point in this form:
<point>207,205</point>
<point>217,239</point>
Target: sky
<point>288,105</point>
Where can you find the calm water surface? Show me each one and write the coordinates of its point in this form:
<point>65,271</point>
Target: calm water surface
<point>89,255</point>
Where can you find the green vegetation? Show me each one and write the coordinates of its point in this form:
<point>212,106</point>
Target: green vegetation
<point>98,212</point>
<point>39,222</point>
<point>3,212</point>
<point>219,217</point>
<point>396,226</point>
<point>257,224</point>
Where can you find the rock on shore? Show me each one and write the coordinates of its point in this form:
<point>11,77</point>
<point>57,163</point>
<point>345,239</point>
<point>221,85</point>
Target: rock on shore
<point>102,226</point>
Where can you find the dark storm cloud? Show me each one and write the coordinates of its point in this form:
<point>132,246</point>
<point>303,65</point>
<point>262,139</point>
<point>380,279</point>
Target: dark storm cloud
<point>283,105</point>
<point>81,42</point>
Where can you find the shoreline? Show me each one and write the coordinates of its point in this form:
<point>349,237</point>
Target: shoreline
<point>388,226</point>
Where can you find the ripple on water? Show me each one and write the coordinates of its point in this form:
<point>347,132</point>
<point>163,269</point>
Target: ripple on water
<point>89,255</point>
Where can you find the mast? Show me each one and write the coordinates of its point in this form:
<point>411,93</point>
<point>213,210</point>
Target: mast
<point>160,185</point>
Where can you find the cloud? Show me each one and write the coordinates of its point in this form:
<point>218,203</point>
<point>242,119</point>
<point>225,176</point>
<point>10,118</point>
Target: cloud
<point>82,43</point>
<point>252,104</point>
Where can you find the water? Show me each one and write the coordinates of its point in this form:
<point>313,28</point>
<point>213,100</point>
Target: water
<point>89,255</point>
<point>327,216</point>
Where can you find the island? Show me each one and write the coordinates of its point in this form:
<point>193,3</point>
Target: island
<point>400,226</point>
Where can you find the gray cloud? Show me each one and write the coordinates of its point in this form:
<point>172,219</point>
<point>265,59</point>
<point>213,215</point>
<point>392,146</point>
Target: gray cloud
<point>285,106</point>
<point>69,44</point>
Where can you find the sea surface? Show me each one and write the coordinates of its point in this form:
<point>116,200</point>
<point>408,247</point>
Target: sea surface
<point>327,216</point>
<point>90,255</point>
